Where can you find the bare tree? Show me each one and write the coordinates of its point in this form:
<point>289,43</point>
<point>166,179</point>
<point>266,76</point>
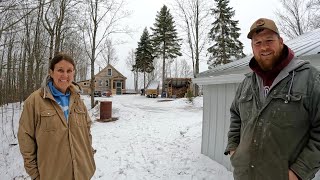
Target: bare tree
<point>314,6</point>
<point>194,16</point>
<point>130,61</point>
<point>37,54</point>
<point>185,70</point>
<point>108,53</point>
<point>28,59</point>
<point>297,17</point>
<point>182,69</point>
<point>23,43</point>
<point>31,31</point>
<point>10,6</point>
<point>53,20</point>
<point>77,51</point>
<point>104,15</point>
<point>12,37</point>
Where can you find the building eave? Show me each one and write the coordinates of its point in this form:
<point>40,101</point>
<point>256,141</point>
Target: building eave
<point>222,79</point>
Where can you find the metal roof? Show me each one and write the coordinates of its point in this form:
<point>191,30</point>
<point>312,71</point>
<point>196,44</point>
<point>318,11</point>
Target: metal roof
<point>153,85</point>
<point>303,45</point>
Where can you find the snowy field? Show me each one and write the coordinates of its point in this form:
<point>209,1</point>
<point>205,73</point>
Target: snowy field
<point>150,140</point>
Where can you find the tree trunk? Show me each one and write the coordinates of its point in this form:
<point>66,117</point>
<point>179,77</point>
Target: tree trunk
<point>163,66</point>
<point>36,51</point>
<point>59,24</point>
<point>144,83</point>
<point>196,87</point>
<point>93,48</point>
<point>22,73</point>
<point>136,75</point>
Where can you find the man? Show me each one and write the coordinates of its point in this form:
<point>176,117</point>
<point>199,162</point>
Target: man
<point>275,123</point>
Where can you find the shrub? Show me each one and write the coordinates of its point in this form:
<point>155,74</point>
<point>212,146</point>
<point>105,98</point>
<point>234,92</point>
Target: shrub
<point>189,95</point>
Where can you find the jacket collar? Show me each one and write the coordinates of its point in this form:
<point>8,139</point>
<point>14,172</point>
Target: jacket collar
<point>269,76</point>
<point>46,93</point>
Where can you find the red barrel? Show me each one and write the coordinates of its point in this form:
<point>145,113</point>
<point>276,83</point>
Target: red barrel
<point>105,109</point>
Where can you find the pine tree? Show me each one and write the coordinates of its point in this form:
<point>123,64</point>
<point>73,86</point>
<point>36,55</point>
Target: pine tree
<point>225,35</point>
<point>144,56</point>
<point>165,39</point>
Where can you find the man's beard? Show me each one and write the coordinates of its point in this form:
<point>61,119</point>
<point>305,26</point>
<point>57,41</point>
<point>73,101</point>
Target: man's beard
<point>276,60</point>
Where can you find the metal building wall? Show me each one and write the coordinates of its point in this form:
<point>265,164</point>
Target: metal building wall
<point>216,120</point>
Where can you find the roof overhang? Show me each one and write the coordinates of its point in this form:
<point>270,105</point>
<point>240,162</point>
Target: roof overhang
<point>240,75</point>
<point>222,79</point>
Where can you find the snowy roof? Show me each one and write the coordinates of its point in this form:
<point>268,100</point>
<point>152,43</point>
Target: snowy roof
<point>153,85</point>
<point>304,45</point>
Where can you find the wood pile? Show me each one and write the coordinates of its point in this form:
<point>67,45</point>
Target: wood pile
<point>179,92</point>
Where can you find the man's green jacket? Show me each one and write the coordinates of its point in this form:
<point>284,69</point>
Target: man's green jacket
<point>280,133</point>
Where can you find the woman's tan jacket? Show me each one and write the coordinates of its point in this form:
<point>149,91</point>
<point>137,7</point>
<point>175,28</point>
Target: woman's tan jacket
<point>53,149</point>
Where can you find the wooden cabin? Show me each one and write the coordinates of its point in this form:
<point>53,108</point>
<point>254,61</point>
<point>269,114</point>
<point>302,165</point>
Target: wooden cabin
<point>108,80</point>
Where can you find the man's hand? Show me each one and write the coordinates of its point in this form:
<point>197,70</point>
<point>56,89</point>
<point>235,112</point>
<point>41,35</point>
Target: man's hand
<point>231,153</point>
<point>292,175</point>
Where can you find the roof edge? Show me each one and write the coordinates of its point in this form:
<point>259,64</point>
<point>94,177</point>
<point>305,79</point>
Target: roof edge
<point>222,79</point>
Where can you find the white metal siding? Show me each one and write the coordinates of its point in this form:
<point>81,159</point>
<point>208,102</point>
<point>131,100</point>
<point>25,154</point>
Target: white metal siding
<point>216,121</point>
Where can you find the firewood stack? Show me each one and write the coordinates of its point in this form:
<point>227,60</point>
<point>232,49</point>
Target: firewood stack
<point>179,92</point>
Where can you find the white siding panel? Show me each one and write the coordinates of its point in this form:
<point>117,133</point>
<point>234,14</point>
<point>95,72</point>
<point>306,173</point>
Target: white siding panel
<point>220,121</point>
<point>230,93</point>
<point>206,119</point>
<point>212,121</point>
<point>216,121</point>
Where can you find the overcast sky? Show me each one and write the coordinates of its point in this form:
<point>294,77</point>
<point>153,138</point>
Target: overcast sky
<point>144,13</point>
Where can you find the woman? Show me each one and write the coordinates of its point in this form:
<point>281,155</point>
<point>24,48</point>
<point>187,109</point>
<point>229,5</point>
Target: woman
<point>54,129</point>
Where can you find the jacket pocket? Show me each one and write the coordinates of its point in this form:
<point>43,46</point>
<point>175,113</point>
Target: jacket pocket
<point>48,120</point>
<point>80,116</point>
<point>245,107</point>
<point>272,168</point>
<point>241,173</point>
<point>245,98</point>
<point>287,98</point>
<point>288,110</point>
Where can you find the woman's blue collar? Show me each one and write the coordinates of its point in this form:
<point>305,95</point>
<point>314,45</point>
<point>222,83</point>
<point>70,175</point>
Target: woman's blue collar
<point>55,91</point>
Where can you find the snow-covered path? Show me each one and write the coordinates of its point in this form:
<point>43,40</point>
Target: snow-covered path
<point>153,140</point>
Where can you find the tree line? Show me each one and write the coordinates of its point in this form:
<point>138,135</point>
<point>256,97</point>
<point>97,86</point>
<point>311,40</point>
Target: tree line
<point>164,42</point>
<point>208,28</point>
<point>32,31</point>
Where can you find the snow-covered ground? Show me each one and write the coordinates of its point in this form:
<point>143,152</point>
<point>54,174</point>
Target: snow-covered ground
<point>152,139</point>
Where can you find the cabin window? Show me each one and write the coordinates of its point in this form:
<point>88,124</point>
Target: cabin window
<point>109,73</point>
<point>100,83</point>
<point>107,83</point>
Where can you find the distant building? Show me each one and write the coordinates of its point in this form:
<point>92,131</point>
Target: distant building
<point>107,80</point>
<point>177,87</point>
<point>152,89</point>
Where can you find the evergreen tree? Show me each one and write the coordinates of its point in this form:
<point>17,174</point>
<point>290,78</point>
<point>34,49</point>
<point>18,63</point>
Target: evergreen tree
<point>144,56</point>
<point>225,35</point>
<point>165,39</point>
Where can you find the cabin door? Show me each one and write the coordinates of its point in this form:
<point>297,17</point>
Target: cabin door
<point>118,87</point>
